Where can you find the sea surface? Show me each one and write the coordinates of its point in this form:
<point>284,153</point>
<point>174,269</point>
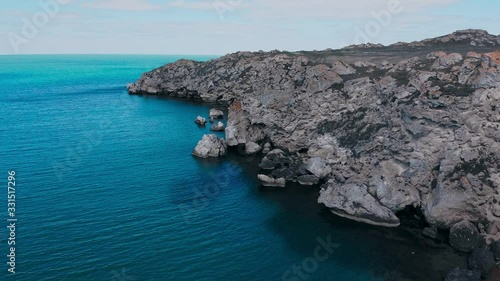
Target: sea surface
<point>107,189</point>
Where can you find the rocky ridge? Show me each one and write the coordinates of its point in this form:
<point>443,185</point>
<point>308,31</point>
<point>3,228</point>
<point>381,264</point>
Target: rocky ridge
<point>383,129</point>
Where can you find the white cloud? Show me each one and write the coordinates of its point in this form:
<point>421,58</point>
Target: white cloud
<point>327,9</point>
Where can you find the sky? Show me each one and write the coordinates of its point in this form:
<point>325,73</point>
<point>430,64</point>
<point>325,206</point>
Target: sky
<point>217,27</point>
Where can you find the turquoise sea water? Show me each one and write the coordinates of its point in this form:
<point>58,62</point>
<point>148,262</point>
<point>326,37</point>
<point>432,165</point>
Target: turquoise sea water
<point>107,189</point>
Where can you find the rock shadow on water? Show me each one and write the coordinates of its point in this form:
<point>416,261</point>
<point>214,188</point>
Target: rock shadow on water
<point>373,253</point>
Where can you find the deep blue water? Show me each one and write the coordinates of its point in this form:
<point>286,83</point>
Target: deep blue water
<point>107,189</point>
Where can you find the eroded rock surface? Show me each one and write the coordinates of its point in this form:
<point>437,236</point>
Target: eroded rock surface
<point>210,146</point>
<point>385,128</point>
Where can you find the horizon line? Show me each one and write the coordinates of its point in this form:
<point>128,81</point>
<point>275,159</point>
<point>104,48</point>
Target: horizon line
<point>105,54</point>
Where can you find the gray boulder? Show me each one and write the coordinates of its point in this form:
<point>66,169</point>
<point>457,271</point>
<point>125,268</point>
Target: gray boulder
<point>271,182</point>
<point>353,201</point>
<point>444,61</point>
<point>318,167</point>
<point>252,148</point>
<point>216,114</point>
<point>200,121</point>
<point>267,164</point>
<point>342,68</point>
<point>495,248</point>
<point>219,127</point>
<point>267,148</point>
<point>464,237</point>
<point>308,180</point>
<point>431,232</point>
<point>210,146</point>
<point>284,172</point>
<point>460,274</point>
<point>482,261</point>
<point>364,64</point>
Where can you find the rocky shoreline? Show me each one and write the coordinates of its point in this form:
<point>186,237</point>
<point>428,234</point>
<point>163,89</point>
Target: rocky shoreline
<point>382,129</point>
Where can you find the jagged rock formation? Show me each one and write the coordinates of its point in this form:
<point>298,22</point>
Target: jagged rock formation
<point>219,127</point>
<point>271,182</point>
<point>216,114</point>
<point>384,128</point>
<point>210,146</point>
<point>200,121</point>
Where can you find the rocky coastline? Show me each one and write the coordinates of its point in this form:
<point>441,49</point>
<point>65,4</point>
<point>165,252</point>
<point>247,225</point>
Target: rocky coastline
<point>382,129</point>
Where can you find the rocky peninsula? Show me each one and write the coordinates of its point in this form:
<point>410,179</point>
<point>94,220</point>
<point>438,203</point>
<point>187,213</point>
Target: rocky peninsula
<point>383,129</point>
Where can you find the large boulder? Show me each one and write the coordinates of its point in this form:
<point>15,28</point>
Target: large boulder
<point>267,164</point>
<point>252,148</point>
<point>342,68</point>
<point>353,201</point>
<point>219,127</point>
<point>464,237</point>
<point>216,114</point>
<point>308,180</point>
<point>210,146</point>
<point>495,248</point>
<point>444,61</point>
<point>284,172</point>
<point>318,167</point>
<point>271,182</point>
<point>200,121</point>
<point>431,232</point>
<point>460,274</point>
<point>482,261</point>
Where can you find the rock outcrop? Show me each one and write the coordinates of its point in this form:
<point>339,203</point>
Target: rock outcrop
<point>200,121</point>
<point>353,201</point>
<point>210,146</point>
<point>271,182</point>
<point>464,237</point>
<point>406,125</point>
<point>216,114</point>
<point>219,127</point>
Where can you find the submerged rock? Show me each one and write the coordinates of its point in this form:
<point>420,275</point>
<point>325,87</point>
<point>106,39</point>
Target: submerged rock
<point>460,274</point>
<point>464,237</point>
<point>210,146</point>
<point>431,232</point>
<point>482,261</point>
<point>495,248</point>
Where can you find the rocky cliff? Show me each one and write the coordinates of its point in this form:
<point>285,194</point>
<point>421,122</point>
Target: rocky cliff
<point>410,125</point>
